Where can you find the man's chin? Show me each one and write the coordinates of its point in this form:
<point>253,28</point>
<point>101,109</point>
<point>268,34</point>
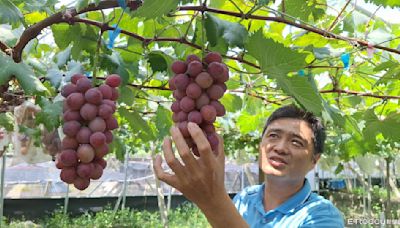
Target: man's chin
<point>270,171</point>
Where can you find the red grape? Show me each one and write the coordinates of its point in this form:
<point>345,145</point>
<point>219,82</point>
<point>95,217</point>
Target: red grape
<point>179,67</point>
<point>113,80</point>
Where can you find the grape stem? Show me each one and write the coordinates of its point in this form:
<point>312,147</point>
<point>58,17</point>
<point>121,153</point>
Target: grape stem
<point>96,58</point>
<point>190,25</point>
<point>203,48</point>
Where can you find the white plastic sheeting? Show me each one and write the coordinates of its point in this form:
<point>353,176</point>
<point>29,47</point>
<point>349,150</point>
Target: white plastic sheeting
<point>42,180</point>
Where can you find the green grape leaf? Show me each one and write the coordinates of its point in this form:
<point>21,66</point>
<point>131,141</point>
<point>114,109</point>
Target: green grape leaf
<point>221,47</point>
<point>274,58</point>
<point>234,34</point>
<point>253,105</point>
<point>9,13</point>
<point>157,62</point>
<point>303,9</point>
<point>211,30</point>
<point>50,114</point>
<point>137,123</point>
<point>24,74</point>
<point>61,35</point>
<point>73,67</point>
<point>155,8</point>
<point>232,103</point>
<point>263,2</point>
<point>349,124</point>
<point>388,127</point>
<point>390,3</point>
<point>185,1</point>
<point>127,95</point>
<point>6,69</point>
<point>303,92</point>
<point>163,122</point>
<point>55,76</point>
<point>7,121</point>
<point>118,147</point>
<point>197,35</point>
<point>34,5</point>
<point>321,53</point>
<point>35,17</point>
<point>63,56</point>
<point>393,72</point>
<point>385,65</point>
<point>249,122</point>
<point>80,4</point>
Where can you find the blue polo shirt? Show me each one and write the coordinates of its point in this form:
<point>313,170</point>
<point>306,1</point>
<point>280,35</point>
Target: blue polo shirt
<point>303,209</point>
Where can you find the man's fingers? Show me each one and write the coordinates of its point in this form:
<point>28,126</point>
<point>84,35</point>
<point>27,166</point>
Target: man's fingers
<point>221,151</point>
<point>171,160</point>
<point>183,150</point>
<point>202,144</point>
<point>162,175</point>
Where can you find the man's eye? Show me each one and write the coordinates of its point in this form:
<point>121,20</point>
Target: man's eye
<point>273,135</point>
<point>297,143</point>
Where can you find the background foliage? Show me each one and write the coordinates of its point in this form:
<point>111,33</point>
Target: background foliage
<point>278,52</point>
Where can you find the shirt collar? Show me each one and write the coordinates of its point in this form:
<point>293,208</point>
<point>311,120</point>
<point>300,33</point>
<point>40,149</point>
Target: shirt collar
<point>296,200</point>
<point>289,205</point>
<point>260,200</point>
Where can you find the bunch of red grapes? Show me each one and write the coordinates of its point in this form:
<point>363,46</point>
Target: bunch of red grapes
<point>88,122</point>
<point>197,86</point>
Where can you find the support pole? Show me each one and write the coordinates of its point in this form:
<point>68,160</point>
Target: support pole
<point>125,179</point>
<point>160,193</point>
<point>169,199</point>
<point>3,168</point>
<point>122,196</point>
<point>66,201</point>
<point>388,212</point>
<point>369,196</point>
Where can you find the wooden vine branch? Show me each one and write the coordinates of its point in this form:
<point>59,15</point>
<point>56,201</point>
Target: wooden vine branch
<point>272,101</point>
<point>4,47</point>
<point>321,32</point>
<point>359,94</point>
<point>338,16</point>
<point>67,16</point>
<point>145,40</point>
<point>256,96</point>
<point>34,30</point>
<point>133,35</point>
<point>184,41</point>
<point>330,67</point>
<point>362,94</point>
<point>356,93</point>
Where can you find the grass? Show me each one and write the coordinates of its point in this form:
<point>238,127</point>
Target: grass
<point>186,215</point>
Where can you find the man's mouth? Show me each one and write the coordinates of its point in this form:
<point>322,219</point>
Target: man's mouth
<point>277,162</point>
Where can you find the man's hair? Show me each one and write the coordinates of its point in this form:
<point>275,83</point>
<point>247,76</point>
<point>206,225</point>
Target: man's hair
<point>291,111</point>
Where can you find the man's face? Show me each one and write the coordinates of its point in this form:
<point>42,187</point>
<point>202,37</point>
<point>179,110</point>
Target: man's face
<point>286,149</point>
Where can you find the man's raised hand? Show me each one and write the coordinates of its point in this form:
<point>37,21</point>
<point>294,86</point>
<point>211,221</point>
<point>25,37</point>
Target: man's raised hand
<point>201,180</point>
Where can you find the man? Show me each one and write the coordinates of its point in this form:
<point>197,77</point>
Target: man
<point>291,145</point>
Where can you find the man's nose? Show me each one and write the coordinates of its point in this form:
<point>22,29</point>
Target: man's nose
<point>281,146</point>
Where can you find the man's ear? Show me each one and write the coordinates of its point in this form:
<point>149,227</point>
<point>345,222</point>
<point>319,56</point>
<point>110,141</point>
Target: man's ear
<point>316,158</point>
